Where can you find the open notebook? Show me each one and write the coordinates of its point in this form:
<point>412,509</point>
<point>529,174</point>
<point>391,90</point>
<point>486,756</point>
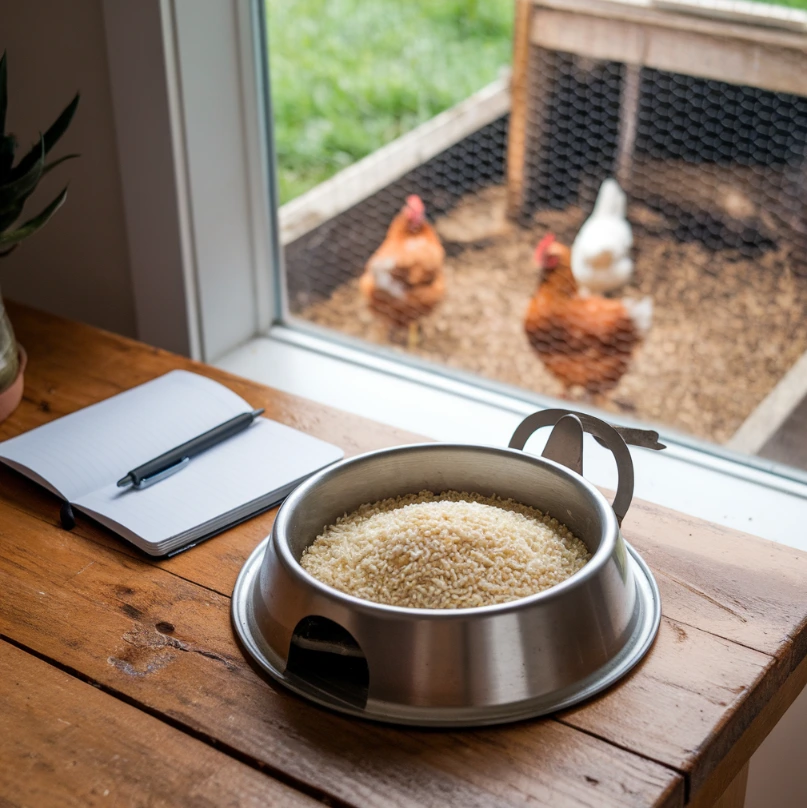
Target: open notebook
<point>81,456</point>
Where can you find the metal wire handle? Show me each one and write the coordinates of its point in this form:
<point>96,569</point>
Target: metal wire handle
<point>565,446</point>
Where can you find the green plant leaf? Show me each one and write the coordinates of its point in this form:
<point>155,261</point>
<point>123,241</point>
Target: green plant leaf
<point>8,217</point>
<point>24,166</point>
<point>53,165</point>
<point>32,225</point>
<point>8,145</point>
<point>59,127</point>
<point>50,138</point>
<point>21,187</point>
<point>3,93</point>
<point>10,250</point>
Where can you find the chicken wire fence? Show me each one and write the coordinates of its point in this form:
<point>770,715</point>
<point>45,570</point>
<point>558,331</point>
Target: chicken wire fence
<point>714,178</point>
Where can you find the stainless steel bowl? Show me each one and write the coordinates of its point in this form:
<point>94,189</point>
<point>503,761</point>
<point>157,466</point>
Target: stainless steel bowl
<point>454,667</point>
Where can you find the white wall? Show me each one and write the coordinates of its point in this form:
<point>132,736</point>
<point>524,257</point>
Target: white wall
<point>150,137</point>
<point>78,265</point>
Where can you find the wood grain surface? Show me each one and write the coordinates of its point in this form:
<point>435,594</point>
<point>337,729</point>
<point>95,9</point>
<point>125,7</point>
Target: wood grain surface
<point>519,109</point>
<point>728,660</point>
<point>166,644</point>
<point>69,744</point>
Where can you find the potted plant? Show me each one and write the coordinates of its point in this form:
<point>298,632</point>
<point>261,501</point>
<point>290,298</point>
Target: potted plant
<point>17,183</point>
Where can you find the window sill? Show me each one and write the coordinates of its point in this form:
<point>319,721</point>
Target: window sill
<point>745,497</point>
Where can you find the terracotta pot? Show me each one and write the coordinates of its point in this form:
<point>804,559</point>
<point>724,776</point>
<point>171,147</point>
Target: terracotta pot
<point>11,396</point>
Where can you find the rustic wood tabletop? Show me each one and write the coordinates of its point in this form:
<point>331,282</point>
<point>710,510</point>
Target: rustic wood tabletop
<point>122,683</point>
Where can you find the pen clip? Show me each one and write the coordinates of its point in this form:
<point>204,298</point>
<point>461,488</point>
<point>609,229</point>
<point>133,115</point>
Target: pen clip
<point>161,475</point>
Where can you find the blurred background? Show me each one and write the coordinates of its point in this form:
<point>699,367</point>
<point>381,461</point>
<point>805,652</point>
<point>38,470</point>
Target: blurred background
<point>350,76</point>
<point>660,147</point>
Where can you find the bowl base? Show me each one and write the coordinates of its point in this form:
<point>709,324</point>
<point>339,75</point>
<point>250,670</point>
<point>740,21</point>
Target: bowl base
<point>646,621</point>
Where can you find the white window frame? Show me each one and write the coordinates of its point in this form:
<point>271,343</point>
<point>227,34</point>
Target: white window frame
<point>194,158</point>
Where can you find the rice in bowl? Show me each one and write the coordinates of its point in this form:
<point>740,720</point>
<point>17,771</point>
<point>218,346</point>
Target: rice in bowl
<point>450,550</point>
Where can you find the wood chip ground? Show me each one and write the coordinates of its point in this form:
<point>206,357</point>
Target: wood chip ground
<point>726,327</point>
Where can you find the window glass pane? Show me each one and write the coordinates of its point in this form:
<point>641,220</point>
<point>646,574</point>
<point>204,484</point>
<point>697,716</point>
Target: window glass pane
<point>618,236</point>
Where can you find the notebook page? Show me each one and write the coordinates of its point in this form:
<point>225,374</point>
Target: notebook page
<point>96,446</point>
<point>251,466</point>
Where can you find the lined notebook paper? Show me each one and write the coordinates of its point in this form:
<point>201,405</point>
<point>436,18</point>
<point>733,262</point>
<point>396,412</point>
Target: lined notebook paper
<point>81,456</point>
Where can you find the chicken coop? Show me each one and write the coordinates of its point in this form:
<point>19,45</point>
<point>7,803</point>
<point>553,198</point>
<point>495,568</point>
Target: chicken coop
<point>698,112</point>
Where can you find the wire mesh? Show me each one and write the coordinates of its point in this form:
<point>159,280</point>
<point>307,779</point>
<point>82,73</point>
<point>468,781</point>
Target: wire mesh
<point>690,326</point>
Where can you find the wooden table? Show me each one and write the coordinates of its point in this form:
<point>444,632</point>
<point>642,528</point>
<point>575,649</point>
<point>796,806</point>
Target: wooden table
<point>121,682</point>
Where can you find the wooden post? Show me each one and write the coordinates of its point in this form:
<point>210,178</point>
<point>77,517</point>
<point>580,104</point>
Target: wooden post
<point>519,103</point>
<point>628,115</point>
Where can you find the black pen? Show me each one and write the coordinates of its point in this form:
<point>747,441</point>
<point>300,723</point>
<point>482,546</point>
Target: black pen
<point>175,459</point>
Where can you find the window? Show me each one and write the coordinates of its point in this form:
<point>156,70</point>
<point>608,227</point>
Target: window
<point>253,266</point>
<point>704,330</point>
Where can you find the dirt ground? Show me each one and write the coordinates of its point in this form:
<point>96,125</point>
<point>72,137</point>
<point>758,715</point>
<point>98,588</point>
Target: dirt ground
<point>726,327</point>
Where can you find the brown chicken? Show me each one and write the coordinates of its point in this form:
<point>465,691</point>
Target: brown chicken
<point>404,279</point>
<point>583,341</point>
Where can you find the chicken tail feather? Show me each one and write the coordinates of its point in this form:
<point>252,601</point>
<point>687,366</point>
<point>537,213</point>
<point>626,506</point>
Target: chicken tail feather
<point>641,312</point>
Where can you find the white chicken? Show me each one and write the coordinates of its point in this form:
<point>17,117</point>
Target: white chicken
<point>601,260</point>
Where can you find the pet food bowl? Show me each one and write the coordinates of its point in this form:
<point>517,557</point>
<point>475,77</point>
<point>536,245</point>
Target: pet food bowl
<point>455,667</point>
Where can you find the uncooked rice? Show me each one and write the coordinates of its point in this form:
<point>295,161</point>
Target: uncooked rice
<point>444,551</point>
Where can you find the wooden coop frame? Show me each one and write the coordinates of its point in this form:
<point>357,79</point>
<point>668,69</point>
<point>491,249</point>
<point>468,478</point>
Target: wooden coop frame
<point>373,173</point>
<point>741,43</point>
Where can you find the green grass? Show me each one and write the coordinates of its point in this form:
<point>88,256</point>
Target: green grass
<point>792,3</point>
<point>349,76</point>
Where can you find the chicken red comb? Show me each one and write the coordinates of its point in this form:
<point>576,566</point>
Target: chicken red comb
<point>543,245</point>
<point>416,206</point>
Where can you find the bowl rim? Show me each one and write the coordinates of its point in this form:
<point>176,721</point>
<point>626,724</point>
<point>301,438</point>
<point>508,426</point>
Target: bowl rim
<point>602,555</point>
